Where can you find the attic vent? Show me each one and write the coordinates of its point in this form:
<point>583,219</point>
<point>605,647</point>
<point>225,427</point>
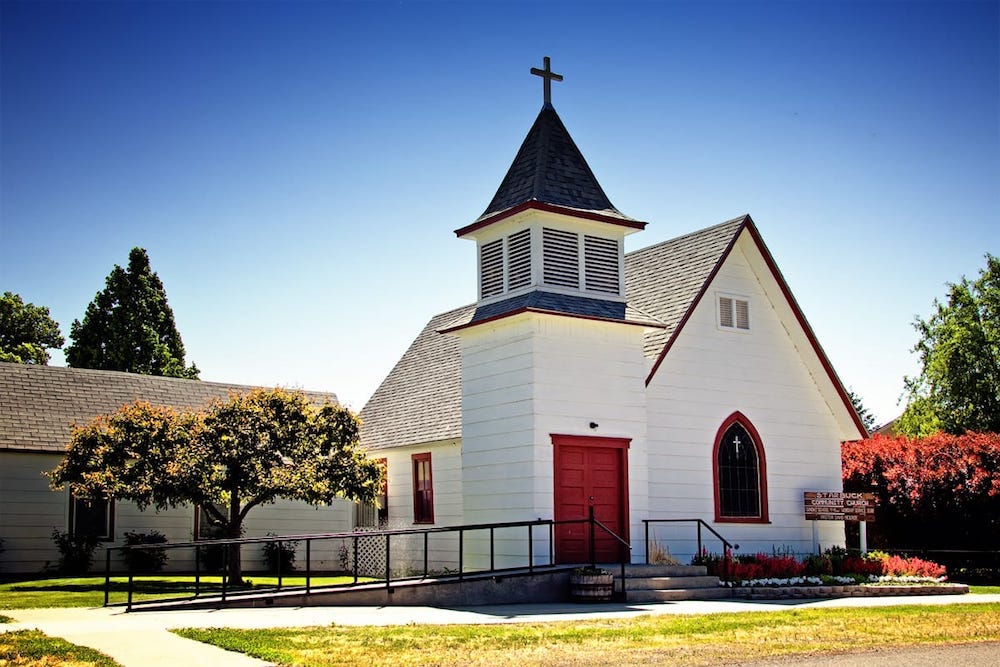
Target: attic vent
<point>742,314</point>
<point>734,313</point>
<point>725,312</point>
<point>560,258</point>
<point>519,259</point>
<point>491,268</point>
<point>600,259</point>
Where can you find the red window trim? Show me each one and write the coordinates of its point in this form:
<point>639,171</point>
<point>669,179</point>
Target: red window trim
<point>741,419</point>
<point>414,459</point>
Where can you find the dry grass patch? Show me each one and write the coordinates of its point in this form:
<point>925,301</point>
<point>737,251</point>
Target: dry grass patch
<point>696,640</point>
<point>31,648</point>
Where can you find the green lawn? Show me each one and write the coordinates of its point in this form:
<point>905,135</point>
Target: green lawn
<point>31,647</point>
<point>89,591</point>
<point>675,640</point>
<point>984,590</point>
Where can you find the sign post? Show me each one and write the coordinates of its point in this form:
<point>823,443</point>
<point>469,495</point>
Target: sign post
<point>840,506</point>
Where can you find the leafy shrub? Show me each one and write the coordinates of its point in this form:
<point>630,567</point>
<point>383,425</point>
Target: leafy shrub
<point>149,559</point>
<point>936,492</point>
<point>76,553</point>
<point>279,556</point>
<point>817,564</point>
<point>834,562</point>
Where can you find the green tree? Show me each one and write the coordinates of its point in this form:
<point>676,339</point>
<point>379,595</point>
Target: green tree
<point>247,451</point>
<point>26,331</point>
<point>867,418</point>
<point>129,326</point>
<point>958,388</point>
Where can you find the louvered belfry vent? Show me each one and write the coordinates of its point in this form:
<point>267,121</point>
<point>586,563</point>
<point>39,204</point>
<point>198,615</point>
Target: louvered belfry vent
<point>519,260</point>
<point>491,268</point>
<point>560,258</point>
<point>600,260</point>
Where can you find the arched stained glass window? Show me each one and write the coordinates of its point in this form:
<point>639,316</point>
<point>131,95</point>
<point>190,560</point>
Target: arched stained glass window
<point>740,482</point>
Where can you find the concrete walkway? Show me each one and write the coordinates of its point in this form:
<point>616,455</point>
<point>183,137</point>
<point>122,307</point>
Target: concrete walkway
<point>141,639</point>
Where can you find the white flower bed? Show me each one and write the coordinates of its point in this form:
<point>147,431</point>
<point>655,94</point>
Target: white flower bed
<point>830,581</point>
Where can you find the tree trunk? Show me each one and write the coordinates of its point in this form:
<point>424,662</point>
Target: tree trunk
<point>234,530</point>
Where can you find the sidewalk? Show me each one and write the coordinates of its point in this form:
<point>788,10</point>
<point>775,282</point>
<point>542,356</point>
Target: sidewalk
<point>141,639</point>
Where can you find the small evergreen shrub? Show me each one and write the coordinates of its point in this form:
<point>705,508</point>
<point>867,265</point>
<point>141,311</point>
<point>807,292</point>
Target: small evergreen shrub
<point>76,553</point>
<point>279,555</point>
<point>148,559</point>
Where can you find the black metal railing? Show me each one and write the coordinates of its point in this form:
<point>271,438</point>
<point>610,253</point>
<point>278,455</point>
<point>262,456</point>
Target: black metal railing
<point>625,554</point>
<point>727,547</point>
<point>226,590</point>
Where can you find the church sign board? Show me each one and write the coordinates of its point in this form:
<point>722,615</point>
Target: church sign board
<point>839,506</point>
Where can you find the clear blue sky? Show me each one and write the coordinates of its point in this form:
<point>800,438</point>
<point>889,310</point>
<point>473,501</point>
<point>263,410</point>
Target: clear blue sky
<point>296,170</point>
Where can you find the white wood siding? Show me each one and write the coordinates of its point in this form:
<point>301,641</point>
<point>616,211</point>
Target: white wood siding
<point>29,511</point>
<point>769,375</point>
<point>446,473</point>
<point>525,378</point>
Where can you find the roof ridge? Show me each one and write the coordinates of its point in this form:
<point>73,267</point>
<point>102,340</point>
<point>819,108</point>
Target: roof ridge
<point>142,377</point>
<point>741,218</point>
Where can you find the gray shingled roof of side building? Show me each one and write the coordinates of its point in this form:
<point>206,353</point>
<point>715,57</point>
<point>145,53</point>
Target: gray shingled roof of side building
<point>550,168</point>
<point>40,404</point>
<point>421,399</point>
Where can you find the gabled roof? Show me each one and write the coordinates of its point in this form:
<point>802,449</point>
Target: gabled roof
<point>550,172</point>
<point>40,404</point>
<point>665,279</point>
<point>421,399</point>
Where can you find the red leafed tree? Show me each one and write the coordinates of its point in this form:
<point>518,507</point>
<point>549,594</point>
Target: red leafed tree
<point>936,492</point>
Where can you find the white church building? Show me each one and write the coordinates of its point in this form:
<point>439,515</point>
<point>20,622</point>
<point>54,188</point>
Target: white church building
<point>679,381</point>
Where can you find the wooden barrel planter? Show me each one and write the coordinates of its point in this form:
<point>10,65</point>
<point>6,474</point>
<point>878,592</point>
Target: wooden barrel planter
<point>591,587</point>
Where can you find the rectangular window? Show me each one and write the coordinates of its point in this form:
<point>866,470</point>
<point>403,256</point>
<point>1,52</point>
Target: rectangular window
<point>92,518</point>
<point>600,264</point>
<point>383,494</point>
<point>734,313</point>
<point>206,525</point>
<point>423,489</point>
<point>560,258</point>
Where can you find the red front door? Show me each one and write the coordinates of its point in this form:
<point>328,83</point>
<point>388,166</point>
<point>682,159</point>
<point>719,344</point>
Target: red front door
<point>589,472</point>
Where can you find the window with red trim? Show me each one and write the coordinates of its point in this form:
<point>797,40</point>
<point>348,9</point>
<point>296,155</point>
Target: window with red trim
<point>383,493</point>
<point>740,472</point>
<point>423,489</point>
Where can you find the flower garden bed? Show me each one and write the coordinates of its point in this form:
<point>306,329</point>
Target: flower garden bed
<point>834,573</point>
<point>846,591</point>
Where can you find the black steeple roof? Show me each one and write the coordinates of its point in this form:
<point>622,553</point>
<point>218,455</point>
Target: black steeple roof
<point>550,169</point>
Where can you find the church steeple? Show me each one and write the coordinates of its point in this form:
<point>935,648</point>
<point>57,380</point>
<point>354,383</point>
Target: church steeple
<point>549,172</point>
<point>550,237</point>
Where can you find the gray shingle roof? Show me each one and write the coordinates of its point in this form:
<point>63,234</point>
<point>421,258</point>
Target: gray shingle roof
<point>664,279</point>
<point>549,168</point>
<point>421,399</point>
<point>39,404</point>
<point>569,304</point>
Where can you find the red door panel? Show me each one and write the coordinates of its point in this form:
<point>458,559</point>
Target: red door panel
<point>590,471</point>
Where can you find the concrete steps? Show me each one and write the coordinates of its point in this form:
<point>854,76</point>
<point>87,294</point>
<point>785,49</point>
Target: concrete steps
<point>665,583</point>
